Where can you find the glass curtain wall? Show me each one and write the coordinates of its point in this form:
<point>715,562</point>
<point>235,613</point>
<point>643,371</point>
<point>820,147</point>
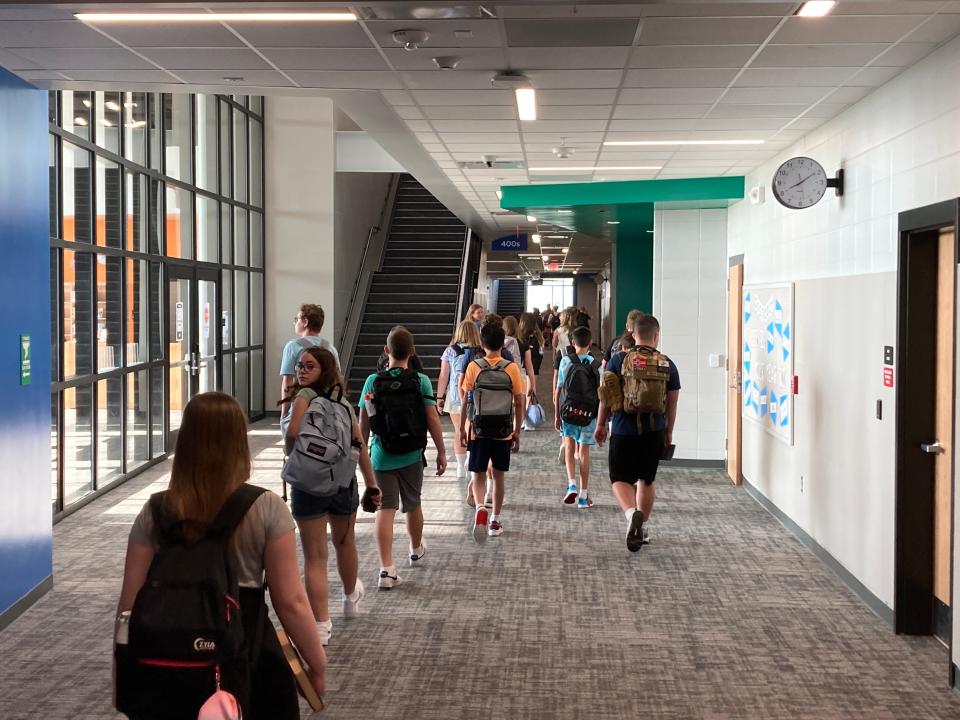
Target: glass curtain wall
<point>141,183</point>
<point>550,291</point>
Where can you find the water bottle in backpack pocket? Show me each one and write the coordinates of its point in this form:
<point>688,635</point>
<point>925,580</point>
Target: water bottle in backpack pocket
<point>579,394</point>
<point>325,455</point>
<point>491,409</point>
<point>400,421</point>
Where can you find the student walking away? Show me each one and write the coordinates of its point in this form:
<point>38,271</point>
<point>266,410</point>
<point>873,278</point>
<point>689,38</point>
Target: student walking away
<point>398,407</point>
<point>307,324</point>
<point>476,314</point>
<point>448,393</point>
<point>581,318</point>
<point>562,348</point>
<point>524,359</point>
<point>639,390</point>
<point>531,340</point>
<point>192,618</point>
<point>495,412</point>
<point>577,402</point>
<point>625,341</point>
<point>323,448</point>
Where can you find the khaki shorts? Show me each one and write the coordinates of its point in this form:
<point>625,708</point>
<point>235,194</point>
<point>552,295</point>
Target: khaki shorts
<point>401,488</point>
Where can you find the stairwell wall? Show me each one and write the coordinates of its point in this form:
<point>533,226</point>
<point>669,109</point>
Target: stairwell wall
<point>300,164</point>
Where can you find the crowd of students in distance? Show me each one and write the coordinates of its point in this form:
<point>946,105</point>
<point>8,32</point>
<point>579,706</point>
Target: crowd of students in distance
<point>487,385</point>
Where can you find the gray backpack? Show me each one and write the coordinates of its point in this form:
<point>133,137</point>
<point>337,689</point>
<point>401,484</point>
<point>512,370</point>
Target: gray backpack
<point>491,410</point>
<point>324,457</point>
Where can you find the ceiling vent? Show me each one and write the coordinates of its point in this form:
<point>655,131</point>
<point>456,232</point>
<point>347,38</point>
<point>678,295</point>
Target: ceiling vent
<point>509,81</point>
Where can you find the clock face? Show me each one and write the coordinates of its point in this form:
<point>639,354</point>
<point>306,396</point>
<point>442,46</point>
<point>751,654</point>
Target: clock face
<point>799,183</point>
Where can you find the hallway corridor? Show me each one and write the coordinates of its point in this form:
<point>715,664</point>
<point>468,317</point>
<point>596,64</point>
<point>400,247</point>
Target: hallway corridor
<point>723,615</point>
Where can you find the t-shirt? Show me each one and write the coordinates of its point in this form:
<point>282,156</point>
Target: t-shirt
<point>512,346</point>
<point>292,350</point>
<point>464,360</point>
<point>451,357</point>
<point>473,370</point>
<point>267,519</point>
<point>380,458</point>
<point>565,364</point>
<point>626,423</point>
<point>536,355</point>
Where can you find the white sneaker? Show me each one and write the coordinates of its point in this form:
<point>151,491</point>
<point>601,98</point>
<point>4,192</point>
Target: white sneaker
<point>325,630</point>
<point>388,578</point>
<point>352,602</point>
<point>416,556</point>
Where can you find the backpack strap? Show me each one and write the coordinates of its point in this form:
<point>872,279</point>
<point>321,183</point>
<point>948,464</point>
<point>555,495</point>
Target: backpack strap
<point>304,343</point>
<point>235,509</point>
<point>502,364</point>
<point>166,527</point>
<point>482,363</point>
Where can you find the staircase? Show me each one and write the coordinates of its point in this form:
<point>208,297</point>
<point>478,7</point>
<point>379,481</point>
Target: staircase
<point>417,286</point>
<point>511,297</point>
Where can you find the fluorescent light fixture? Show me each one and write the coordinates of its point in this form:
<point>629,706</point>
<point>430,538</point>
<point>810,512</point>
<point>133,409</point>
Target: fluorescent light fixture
<point>623,143</point>
<point>526,103</point>
<point>565,251</point>
<point>531,218</point>
<point>556,237</point>
<point>613,222</point>
<point>816,8</point>
<point>195,17</point>
<point>535,238</point>
<point>591,168</point>
<point>79,120</point>
<point>565,212</point>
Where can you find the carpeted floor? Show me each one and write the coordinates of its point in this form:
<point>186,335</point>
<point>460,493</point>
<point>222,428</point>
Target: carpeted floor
<point>723,615</point>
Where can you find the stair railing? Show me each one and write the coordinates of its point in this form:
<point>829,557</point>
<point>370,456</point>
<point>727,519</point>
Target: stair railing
<point>373,253</point>
<point>463,297</point>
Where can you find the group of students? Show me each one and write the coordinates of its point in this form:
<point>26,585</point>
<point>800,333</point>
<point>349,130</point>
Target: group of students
<point>487,385</point>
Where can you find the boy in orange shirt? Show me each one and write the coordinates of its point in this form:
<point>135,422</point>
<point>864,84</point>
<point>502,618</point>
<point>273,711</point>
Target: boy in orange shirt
<point>493,393</point>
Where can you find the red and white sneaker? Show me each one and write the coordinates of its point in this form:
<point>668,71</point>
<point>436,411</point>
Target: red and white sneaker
<point>495,529</point>
<point>480,525</point>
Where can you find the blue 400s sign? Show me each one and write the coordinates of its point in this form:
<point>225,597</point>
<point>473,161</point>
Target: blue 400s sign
<point>510,243</point>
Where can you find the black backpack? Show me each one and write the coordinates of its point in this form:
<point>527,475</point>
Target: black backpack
<point>186,628</point>
<point>400,421</point>
<point>580,395</point>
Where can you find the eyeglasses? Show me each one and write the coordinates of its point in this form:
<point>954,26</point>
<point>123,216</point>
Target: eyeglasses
<point>306,366</point>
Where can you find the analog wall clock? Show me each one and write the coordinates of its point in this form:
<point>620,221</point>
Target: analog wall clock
<point>801,182</point>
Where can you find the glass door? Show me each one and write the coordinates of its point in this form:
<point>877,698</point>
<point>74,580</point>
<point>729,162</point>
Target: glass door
<point>193,348</point>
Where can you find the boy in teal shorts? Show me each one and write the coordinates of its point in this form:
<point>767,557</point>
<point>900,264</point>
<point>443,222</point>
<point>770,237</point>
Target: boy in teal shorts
<point>577,401</point>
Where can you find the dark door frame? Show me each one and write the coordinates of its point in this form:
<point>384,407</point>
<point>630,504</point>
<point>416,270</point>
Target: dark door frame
<point>919,231</point>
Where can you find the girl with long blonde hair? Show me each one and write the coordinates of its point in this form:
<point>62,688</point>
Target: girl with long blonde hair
<point>448,393</point>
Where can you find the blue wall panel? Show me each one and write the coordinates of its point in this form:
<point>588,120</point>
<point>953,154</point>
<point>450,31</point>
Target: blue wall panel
<point>25,509</point>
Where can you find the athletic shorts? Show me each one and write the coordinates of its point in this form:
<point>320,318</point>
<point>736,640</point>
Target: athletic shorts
<point>400,488</point>
<point>304,506</point>
<point>635,457</point>
<point>582,435</point>
<point>484,451</point>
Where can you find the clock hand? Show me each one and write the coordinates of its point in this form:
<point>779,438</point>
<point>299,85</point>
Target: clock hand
<point>802,181</point>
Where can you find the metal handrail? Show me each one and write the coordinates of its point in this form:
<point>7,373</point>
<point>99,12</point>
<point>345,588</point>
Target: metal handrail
<point>465,260</point>
<point>368,265</point>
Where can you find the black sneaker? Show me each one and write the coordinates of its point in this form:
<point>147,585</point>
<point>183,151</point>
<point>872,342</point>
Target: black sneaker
<point>635,532</point>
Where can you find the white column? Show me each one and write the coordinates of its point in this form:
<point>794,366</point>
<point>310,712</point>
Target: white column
<point>300,163</point>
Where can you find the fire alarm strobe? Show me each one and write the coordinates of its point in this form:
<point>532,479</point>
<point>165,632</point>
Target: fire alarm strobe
<point>801,182</point>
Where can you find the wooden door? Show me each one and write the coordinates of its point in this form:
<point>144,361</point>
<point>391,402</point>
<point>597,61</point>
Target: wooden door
<point>943,471</point>
<point>734,373</point>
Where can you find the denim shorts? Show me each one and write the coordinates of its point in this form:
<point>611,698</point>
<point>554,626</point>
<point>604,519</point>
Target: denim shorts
<point>304,506</point>
<point>582,435</point>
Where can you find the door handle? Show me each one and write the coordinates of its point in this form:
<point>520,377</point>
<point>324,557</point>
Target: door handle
<point>934,448</point>
<point>195,363</point>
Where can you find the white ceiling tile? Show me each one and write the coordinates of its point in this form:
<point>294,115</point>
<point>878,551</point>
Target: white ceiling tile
<point>687,56</point>
<point>204,58</point>
<point>302,35</point>
<point>782,110</point>
<point>143,76</point>
<point>459,138</point>
<point>346,79</point>
<point>572,136</point>
<point>574,112</point>
<point>849,94</point>
<point>938,29</point>
<point>746,123</point>
<point>581,58</point>
<point>397,97</point>
<point>876,7</point>
<point>260,78</point>
<point>458,148</point>
<point>325,58</point>
<point>561,79</point>
<point>777,95</point>
<point>642,156</point>
<point>810,56</point>
<point>846,29</point>
<point>573,32</point>
<point>669,96</point>
<point>172,35</point>
<point>439,80</point>
<point>36,12</point>
<point>576,97</point>
<point>475,126</point>
<point>711,9</point>
<point>409,112</point>
<point>464,97</point>
<point>625,112</point>
<point>427,138</point>
<point>674,77</point>
<point>817,76</point>
<point>564,126</point>
<point>652,124</point>
<point>86,59</point>
<point>485,33</point>
<point>707,31</point>
<point>471,59</point>
<point>434,148</point>
<point>12,61</point>
<point>50,34</point>
<point>468,112</point>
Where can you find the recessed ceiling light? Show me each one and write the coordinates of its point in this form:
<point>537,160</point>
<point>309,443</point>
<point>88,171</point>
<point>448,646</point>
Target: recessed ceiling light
<point>623,143</point>
<point>816,8</point>
<point>613,222</point>
<point>535,238</point>
<point>531,218</point>
<point>526,103</point>
<point>591,168</point>
<point>194,17</point>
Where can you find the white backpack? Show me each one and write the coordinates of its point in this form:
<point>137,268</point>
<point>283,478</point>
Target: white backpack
<point>491,410</point>
<point>324,457</point>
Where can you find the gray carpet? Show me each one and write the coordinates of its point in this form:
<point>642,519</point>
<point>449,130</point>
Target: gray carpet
<point>723,615</point>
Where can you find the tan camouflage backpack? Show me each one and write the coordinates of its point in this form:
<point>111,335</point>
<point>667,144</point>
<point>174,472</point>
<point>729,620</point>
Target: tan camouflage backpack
<point>644,377</point>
